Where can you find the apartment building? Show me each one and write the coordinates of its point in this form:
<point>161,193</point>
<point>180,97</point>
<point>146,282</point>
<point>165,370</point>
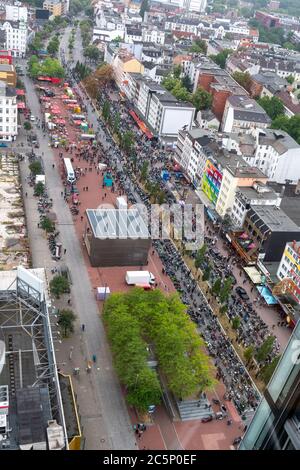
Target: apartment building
<point>190,153</point>
<point>56,7</point>
<point>16,35</point>
<point>8,113</point>
<point>289,269</point>
<point>236,176</point>
<point>16,13</point>
<point>277,155</point>
<point>242,113</point>
<point>8,74</point>
<point>259,194</point>
<point>153,35</point>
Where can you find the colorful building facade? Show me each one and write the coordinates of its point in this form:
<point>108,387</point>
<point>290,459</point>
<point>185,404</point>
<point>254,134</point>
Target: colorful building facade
<point>211,181</point>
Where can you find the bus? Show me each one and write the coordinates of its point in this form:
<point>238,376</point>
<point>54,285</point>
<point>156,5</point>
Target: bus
<point>70,173</point>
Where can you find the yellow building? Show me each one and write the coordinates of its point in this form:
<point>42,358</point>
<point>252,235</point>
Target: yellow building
<point>54,6</point>
<point>8,74</point>
<point>123,63</point>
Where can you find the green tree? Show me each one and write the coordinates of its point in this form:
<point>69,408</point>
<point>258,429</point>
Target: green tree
<point>144,170</point>
<point>36,167</point>
<point>201,99</point>
<point>106,110</point>
<point>53,46</point>
<point>146,391</point>
<point>117,39</point>
<point>225,290</point>
<point>236,321</point>
<point>169,82</point>
<point>66,321</point>
<point>199,46</point>
<point>206,274</point>
<point>290,79</point>
<point>221,58</point>
<point>289,125</point>
<point>177,71</point>
<point>181,93</point>
<point>243,78</point>
<point>127,141</point>
<point>200,257</point>
<point>217,286</point>
<point>223,309</point>
<point>249,353</point>
<point>59,285</point>
<point>267,371</point>
<point>186,83</point>
<point>39,189</point>
<point>47,225</point>
<point>273,106</point>
<point>92,52</point>
<point>27,126</point>
<point>265,349</point>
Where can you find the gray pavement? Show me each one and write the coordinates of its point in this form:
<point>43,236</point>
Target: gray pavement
<point>105,418</point>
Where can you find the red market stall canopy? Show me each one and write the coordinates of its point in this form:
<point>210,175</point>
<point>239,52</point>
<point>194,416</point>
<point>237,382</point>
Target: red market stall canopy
<point>59,121</point>
<point>45,98</point>
<point>77,123</point>
<point>55,110</point>
<point>64,97</point>
<point>21,105</point>
<point>20,92</point>
<point>141,124</point>
<point>49,79</point>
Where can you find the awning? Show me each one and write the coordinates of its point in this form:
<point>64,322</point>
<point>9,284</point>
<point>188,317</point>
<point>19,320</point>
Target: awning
<point>20,92</point>
<point>253,274</point>
<point>267,295</point>
<point>141,124</point>
<point>21,105</point>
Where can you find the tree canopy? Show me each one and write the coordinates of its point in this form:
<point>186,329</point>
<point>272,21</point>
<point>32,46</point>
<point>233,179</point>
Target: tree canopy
<point>49,67</point>
<point>201,99</point>
<point>221,58</point>
<point>273,106</point>
<point>140,318</point>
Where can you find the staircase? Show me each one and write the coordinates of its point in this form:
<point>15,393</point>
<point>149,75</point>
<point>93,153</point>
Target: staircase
<point>194,409</point>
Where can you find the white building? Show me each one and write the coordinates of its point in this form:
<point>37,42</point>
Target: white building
<point>277,155</point>
<point>190,153</point>
<point>15,37</point>
<point>162,111</point>
<point>289,268</point>
<point>153,35</point>
<point>8,113</point>
<point>242,113</point>
<point>198,6</point>
<point>16,13</point>
<point>258,195</point>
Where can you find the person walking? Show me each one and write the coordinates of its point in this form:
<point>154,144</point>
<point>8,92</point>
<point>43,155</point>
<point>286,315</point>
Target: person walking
<point>83,327</point>
<point>65,251</point>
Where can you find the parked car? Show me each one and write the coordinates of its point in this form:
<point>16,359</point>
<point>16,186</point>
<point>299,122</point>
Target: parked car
<point>32,118</point>
<point>207,419</point>
<point>242,293</point>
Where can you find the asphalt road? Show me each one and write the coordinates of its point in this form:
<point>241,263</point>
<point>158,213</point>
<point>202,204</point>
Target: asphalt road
<point>115,431</point>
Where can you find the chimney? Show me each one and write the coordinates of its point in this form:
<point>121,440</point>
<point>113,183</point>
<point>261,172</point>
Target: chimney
<point>297,189</point>
<point>282,191</point>
<point>294,245</point>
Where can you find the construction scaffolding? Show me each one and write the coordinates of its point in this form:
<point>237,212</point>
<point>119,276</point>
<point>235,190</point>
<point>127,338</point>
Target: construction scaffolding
<point>25,330</point>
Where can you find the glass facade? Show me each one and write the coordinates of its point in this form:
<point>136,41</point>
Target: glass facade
<point>276,423</point>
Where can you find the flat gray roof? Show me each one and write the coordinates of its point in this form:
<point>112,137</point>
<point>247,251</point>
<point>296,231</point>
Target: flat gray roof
<point>117,223</point>
<point>275,219</point>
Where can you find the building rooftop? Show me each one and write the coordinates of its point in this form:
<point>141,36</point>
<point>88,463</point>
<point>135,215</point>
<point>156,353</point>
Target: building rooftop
<point>247,109</point>
<point>251,194</point>
<point>117,223</point>
<point>274,218</point>
<point>280,140</point>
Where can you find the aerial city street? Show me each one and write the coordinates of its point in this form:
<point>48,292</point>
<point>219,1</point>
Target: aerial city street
<point>150,225</point>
